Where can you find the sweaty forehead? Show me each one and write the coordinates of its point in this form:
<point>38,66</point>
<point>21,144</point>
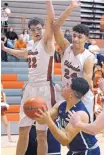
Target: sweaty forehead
<point>36,26</point>
<point>78,34</point>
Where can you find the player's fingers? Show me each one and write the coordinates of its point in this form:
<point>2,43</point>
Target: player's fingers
<point>44,109</point>
<point>41,112</point>
<point>67,119</point>
<point>38,115</point>
<point>71,113</point>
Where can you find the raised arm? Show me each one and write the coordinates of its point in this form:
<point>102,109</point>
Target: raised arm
<point>48,33</point>
<point>88,70</point>
<point>16,53</point>
<point>59,36</point>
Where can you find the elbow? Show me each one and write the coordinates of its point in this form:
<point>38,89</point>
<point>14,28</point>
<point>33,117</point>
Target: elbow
<point>56,27</point>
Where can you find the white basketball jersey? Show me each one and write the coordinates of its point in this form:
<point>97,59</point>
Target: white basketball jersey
<point>72,66</point>
<point>40,63</point>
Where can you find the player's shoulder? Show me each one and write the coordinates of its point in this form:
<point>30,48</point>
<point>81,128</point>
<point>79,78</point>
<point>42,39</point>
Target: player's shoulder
<point>83,115</point>
<point>58,104</point>
<point>69,49</point>
<point>61,102</point>
<point>31,42</point>
<point>87,56</point>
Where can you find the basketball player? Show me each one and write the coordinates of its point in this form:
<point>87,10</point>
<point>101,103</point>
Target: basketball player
<point>3,114</point>
<point>76,61</point>
<point>40,53</point>
<point>96,126</point>
<point>79,142</point>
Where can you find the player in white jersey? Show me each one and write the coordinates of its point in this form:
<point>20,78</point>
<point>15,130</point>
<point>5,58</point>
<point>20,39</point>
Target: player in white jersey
<point>40,57</point>
<point>76,61</point>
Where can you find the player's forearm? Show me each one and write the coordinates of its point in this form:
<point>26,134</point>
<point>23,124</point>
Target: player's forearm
<point>88,78</point>
<point>17,53</point>
<point>50,10</point>
<point>88,128</point>
<point>57,133</point>
<point>63,17</point>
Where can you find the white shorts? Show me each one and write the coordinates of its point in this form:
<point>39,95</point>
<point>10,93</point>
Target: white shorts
<point>42,89</point>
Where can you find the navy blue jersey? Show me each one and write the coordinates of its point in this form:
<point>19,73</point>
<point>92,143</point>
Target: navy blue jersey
<point>82,141</point>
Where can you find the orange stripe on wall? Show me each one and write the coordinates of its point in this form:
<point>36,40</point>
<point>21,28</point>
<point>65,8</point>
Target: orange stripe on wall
<point>9,77</point>
<point>13,117</point>
<point>57,65</point>
<point>16,84</point>
<point>57,71</point>
<point>13,109</point>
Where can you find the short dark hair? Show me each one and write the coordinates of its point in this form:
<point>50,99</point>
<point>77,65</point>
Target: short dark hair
<point>3,37</point>
<point>67,30</point>
<point>81,28</point>
<point>80,86</point>
<point>5,4</point>
<point>35,21</point>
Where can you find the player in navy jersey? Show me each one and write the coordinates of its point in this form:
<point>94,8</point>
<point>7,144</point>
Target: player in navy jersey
<point>96,126</point>
<point>80,143</point>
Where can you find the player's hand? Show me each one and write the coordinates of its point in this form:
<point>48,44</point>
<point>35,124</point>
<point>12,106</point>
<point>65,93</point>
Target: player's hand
<point>74,118</point>
<point>98,109</point>
<point>75,3</point>
<point>2,45</point>
<point>101,84</point>
<point>43,117</point>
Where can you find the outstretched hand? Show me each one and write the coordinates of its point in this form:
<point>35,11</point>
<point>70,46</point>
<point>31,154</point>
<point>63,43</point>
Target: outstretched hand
<point>43,116</point>
<point>101,84</point>
<point>75,3</point>
<point>74,118</point>
<point>2,45</point>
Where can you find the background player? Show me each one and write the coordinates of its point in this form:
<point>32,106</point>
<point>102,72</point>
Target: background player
<point>76,60</point>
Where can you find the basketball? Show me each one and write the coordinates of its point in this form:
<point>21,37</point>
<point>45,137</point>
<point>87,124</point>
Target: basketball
<point>32,105</point>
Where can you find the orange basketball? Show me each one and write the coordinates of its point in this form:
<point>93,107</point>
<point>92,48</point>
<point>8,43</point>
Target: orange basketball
<point>32,105</point>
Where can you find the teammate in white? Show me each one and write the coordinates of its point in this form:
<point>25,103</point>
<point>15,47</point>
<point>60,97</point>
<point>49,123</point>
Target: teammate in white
<point>76,61</point>
<point>40,58</point>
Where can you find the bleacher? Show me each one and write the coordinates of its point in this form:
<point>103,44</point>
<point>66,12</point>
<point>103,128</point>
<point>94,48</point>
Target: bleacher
<point>30,9</point>
<point>92,10</point>
<point>14,75</point>
<point>89,10</point>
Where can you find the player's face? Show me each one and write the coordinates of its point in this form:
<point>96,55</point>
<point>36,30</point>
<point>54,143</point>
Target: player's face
<point>37,31</point>
<point>78,40</point>
<point>66,90</point>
